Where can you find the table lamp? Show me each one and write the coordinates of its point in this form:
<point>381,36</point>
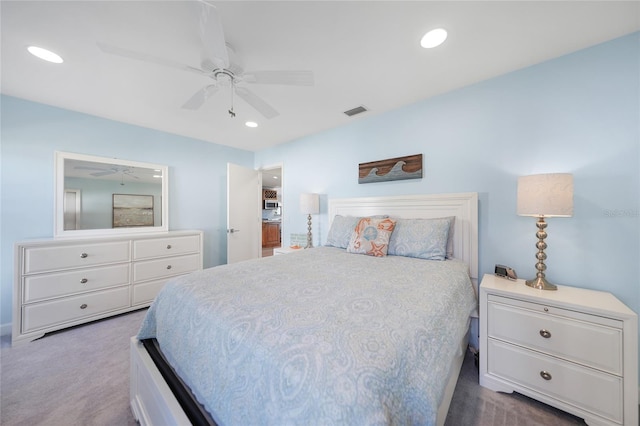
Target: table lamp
<point>309,204</point>
<point>542,196</point>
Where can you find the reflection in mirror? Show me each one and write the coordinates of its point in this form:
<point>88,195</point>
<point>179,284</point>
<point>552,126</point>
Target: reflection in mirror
<point>96,195</point>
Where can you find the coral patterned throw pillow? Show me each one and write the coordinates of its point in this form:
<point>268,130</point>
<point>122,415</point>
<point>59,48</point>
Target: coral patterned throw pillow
<point>371,236</point>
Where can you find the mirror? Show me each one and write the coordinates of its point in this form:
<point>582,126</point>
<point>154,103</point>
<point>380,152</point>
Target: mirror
<point>103,196</point>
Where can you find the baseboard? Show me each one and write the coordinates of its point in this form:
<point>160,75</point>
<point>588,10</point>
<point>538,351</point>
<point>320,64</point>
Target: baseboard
<point>5,329</point>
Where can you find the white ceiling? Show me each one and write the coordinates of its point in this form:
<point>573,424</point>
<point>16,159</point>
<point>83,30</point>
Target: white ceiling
<point>361,53</point>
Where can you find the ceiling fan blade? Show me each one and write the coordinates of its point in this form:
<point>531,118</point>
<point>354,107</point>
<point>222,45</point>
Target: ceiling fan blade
<point>105,173</point>
<point>256,102</point>
<point>212,35</point>
<point>199,98</point>
<point>293,78</point>
<point>139,56</point>
<point>89,168</point>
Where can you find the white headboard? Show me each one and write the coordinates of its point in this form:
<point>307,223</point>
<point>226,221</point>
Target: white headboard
<point>464,206</point>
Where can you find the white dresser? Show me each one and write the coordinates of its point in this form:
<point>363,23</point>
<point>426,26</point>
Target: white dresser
<point>66,282</point>
<point>573,348</point>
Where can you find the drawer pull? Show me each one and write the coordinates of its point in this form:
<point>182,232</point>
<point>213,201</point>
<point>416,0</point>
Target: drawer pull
<point>84,255</point>
<point>84,306</point>
<point>545,333</point>
<point>545,375</point>
<point>83,281</point>
<point>168,246</point>
<point>168,266</point>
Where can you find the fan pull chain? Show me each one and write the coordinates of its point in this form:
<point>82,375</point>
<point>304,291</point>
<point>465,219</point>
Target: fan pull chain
<point>233,89</point>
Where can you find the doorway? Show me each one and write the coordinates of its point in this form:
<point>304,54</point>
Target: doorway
<point>72,203</point>
<point>272,209</point>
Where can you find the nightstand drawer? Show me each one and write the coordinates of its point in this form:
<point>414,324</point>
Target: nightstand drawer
<point>586,339</point>
<point>587,389</point>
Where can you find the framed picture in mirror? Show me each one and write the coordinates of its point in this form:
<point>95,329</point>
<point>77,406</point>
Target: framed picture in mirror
<point>132,210</point>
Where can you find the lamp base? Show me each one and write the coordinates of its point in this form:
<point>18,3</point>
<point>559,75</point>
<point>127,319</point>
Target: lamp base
<point>541,283</point>
<point>309,236</point>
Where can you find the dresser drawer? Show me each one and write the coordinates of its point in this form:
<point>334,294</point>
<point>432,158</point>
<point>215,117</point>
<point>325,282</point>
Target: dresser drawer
<point>587,389</point>
<point>59,311</point>
<point>46,286</point>
<point>171,246</point>
<point>587,339</point>
<point>147,291</point>
<point>44,259</point>
<point>167,267</point>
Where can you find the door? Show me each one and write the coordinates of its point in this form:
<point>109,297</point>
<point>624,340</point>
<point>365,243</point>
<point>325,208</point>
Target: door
<point>71,209</point>
<point>244,213</point>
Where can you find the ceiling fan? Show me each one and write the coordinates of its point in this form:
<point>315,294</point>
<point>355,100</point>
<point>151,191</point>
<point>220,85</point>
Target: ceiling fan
<point>99,172</point>
<point>220,64</point>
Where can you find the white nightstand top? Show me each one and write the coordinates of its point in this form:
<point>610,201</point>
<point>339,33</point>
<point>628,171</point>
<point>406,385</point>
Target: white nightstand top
<point>286,250</point>
<point>578,298</point>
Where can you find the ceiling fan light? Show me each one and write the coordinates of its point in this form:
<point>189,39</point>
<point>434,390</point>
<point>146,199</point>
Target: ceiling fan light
<point>45,54</point>
<point>433,38</point>
<point>251,124</point>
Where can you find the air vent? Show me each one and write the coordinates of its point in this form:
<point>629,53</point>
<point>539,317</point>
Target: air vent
<point>356,110</point>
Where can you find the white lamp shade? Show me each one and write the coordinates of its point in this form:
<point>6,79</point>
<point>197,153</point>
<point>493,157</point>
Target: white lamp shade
<point>546,195</point>
<point>310,203</point>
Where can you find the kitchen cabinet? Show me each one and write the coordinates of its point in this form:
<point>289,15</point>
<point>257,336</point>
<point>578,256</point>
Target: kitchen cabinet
<point>270,234</point>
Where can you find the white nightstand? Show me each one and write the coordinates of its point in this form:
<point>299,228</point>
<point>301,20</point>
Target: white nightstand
<point>574,349</point>
<point>285,250</point>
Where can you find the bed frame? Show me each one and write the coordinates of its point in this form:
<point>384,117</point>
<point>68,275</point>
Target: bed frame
<point>153,402</point>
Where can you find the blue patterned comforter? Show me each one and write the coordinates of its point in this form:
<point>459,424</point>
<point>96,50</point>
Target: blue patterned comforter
<point>316,337</point>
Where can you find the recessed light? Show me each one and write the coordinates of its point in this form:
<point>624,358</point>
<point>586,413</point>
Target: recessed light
<point>45,54</point>
<point>434,38</point>
<point>251,124</point>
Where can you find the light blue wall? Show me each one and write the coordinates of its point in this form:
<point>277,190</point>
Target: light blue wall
<point>31,133</point>
<point>579,113</point>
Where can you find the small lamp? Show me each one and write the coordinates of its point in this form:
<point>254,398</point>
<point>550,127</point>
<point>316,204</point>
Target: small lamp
<point>541,196</point>
<point>309,204</point>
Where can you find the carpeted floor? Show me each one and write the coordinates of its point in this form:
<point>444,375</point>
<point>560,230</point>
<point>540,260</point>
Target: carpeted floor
<point>473,405</point>
<point>80,376</point>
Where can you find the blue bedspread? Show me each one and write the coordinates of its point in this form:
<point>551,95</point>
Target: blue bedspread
<point>316,337</point>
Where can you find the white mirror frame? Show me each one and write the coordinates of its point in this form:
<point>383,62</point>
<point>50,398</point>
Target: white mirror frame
<point>58,199</point>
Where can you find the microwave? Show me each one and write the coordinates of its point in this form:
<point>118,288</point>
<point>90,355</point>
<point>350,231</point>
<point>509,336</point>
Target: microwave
<point>271,204</point>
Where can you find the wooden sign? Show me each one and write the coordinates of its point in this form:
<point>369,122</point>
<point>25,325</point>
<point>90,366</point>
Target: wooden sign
<point>400,168</point>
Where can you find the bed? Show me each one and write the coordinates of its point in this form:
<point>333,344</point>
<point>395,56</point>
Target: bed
<point>320,336</point>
